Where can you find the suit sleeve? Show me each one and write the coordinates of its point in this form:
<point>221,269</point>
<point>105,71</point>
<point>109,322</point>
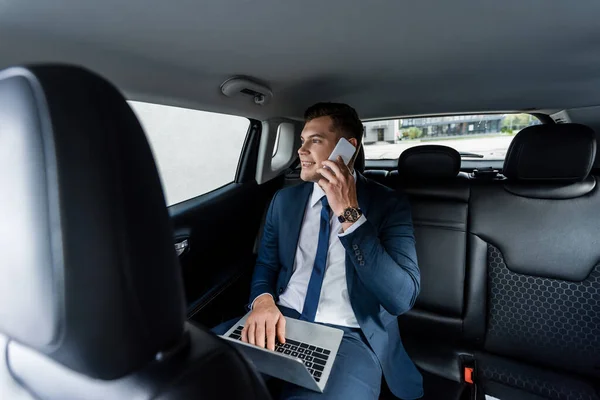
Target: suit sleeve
<point>386,261</point>
<point>267,264</point>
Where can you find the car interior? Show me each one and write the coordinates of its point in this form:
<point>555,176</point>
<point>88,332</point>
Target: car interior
<point>121,248</point>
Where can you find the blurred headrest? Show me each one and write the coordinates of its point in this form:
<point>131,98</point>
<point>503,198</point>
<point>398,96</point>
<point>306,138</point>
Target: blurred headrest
<point>359,163</point>
<point>429,162</point>
<point>88,274</point>
<point>556,153</point>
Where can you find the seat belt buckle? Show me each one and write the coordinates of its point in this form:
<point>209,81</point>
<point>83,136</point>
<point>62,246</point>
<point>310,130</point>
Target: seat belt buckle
<point>469,375</point>
<point>469,370</point>
<point>470,379</point>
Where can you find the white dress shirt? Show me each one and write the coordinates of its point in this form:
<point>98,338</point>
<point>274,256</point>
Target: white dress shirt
<point>334,303</point>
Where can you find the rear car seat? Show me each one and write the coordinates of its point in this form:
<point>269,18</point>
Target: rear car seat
<point>535,252</point>
<point>510,274</point>
<point>433,331</point>
<point>379,176</point>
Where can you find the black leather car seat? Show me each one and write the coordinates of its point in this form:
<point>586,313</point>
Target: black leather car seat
<point>433,331</point>
<point>91,298</point>
<point>536,255</point>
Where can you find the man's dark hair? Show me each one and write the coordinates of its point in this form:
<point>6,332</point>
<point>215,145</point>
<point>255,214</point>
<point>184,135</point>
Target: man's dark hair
<point>345,119</point>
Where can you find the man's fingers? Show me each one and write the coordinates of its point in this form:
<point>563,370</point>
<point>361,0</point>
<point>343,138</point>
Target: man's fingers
<point>281,329</point>
<point>342,166</point>
<point>251,330</point>
<point>327,174</point>
<point>260,334</point>
<point>245,333</point>
<point>336,167</point>
<point>270,335</point>
<point>324,184</point>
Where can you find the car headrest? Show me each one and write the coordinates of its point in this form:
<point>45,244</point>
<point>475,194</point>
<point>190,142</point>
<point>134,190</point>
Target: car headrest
<point>429,162</point>
<point>359,162</point>
<point>89,276</point>
<point>554,153</point>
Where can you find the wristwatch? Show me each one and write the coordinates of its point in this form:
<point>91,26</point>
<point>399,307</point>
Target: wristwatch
<point>350,214</point>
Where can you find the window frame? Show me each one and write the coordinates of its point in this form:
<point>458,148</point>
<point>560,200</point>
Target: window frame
<point>239,175</point>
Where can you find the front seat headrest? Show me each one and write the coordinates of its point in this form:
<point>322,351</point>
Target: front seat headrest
<point>89,273</point>
<point>553,153</point>
<point>429,162</point>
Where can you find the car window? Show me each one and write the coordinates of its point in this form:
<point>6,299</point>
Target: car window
<point>195,151</point>
<point>474,136</point>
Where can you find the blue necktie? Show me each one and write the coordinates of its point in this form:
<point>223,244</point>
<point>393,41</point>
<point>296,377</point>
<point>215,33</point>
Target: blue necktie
<point>313,291</point>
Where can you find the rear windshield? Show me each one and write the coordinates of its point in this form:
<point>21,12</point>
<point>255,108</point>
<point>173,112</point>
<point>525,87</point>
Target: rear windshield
<point>474,136</point>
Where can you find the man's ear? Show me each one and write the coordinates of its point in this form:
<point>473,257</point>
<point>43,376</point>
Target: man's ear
<point>353,142</point>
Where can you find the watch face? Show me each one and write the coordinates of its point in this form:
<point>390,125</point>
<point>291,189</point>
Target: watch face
<point>351,214</point>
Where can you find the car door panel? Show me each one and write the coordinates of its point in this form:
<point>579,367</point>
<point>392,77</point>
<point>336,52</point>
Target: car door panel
<point>220,229</point>
<point>216,234</point>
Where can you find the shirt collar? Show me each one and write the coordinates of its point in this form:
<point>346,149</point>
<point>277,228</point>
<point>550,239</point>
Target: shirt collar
<point>317,192</point>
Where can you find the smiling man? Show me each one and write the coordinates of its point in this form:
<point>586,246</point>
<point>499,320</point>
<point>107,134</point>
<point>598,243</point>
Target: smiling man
<point>355,265</point>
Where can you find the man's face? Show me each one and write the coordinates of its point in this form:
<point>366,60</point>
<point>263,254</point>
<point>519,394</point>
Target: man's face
<point>318,141</point>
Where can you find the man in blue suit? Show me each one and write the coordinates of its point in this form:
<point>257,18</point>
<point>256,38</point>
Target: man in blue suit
<point>338,250</point>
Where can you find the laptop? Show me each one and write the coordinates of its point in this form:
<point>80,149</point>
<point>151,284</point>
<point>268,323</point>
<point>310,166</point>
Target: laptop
<point>305,359</point>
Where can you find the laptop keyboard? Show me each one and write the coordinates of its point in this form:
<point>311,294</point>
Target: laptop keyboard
<point>314,357</point>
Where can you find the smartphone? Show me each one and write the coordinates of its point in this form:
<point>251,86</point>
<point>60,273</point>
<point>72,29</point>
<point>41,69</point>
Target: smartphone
<point>344,149</point>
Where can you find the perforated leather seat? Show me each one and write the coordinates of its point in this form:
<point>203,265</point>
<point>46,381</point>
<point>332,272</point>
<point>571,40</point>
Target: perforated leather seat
<point>536,252</point>
<point>509,268</point>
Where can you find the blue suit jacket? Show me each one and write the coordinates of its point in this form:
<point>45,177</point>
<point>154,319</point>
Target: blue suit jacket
<point>381,269</point>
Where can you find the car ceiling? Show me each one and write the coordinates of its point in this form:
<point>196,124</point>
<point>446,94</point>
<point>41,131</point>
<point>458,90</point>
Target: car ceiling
<point>386,58</point>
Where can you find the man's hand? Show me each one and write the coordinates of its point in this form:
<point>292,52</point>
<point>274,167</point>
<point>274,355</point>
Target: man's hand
<point>265,321</point>
<point>339,185</point>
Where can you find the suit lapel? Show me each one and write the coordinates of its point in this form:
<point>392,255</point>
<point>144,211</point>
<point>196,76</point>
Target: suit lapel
<point>296,211</point>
